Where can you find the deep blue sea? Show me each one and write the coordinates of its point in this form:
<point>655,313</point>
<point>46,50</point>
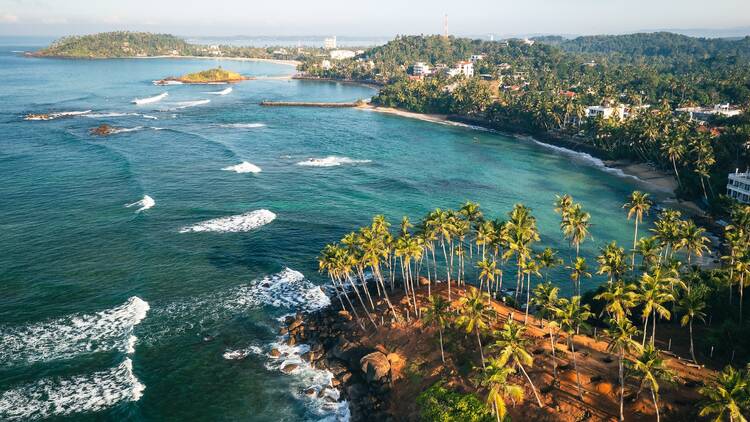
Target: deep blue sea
<point>164,310</point>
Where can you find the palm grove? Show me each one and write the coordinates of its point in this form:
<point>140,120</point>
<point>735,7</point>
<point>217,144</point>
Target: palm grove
<point>544,88</point>
<point>479,261</point>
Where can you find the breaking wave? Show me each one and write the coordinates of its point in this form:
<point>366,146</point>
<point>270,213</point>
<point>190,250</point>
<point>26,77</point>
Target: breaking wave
<point>590,159</point>
<point>67,337</point>
<point>113,114</point>
<point>330,161</point>
<point>149,100</point>
<point>66,396</point>
<point>144,204</point>
<point>243,167</point>
<point>222,92</point>
<point>243,125</point>
<point>233,224</point>
<point>53,116</point>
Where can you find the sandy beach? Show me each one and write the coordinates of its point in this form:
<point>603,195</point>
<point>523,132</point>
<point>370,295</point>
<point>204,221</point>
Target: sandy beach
<point>294,63</point>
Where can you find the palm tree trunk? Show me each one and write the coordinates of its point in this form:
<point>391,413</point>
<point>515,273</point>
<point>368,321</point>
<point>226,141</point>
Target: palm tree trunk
<point>536,395</point>
<point>442,353</point>
<point>645,329</point>
<point>385,293</point>
<point>692,349</point>
<point>674,165</point>
<point>554,357</point>
<point>447,270</point>
<point>635,241</point>
<point>528,299</point>
<point>622,388</point>
<point>572,347</point>
<point>653,328</point>
<point>481,353</point>
<point>361,302</point>
<point>361,272</point>
<point>656,405</point>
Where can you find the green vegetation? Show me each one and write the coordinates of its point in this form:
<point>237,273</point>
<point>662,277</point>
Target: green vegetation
<point>662,284</point>
<point>544,89</point>
<point>212,75</point>
<point>439,404</point>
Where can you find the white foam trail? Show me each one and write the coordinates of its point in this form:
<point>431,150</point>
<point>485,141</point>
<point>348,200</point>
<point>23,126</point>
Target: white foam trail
<point>242,353</point>
<point>113,114</point>
<point>166,82</point>
<point>144,204</point>
<point>53,116</point>
<point>243,167</point>
<point>146,116</point>
<point>187,104</point>
<point>233,224</point>
<point>330,161</point>
<point>126,129</point>
<point>585,157</point>
<point>67,396</point>
<point>222,92</point>
<point>243,125</point>
<point>149,100</point>
<point>72,335</point>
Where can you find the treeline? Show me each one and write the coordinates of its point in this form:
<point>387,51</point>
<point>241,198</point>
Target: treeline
<point>483,259</point>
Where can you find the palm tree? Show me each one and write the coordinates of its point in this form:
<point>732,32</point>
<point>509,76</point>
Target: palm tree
<point>691,304</point>
<point>579,271</point>
<point>620,333</point>
<point>476,312</point>
<point>654,290</point>
<point>651,370</point>
<point>612,262</point>
<point>742,268</point>
<point>649,250</point>
<point>572,316</point>
<point>692,239</point>
<point>438,315</point>
<point>563,205</point>
<point>619,299</point>
<point>512,346</point>
<point>495,379</point>
<point>520,232</point>
<point>441,222</point>
<point>674,149</point>
<point>576,226</point>
<point>473,214</point>
<point>545,300</point>
<point>548,259</point>
<point>726,396</point>
<point>638,205</point>
<point>487,272</point>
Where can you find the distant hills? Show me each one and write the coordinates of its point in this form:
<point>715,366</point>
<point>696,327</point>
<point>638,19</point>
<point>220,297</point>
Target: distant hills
<point>118,44</point>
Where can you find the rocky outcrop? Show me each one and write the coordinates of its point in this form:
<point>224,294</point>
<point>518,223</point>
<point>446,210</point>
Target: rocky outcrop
<point>362,374</point>
<point>102,130</point>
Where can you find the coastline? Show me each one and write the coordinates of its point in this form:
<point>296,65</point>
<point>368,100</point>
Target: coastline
<point>294,63</point>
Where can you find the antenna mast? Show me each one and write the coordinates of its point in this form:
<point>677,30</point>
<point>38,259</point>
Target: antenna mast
<point>445,26</point>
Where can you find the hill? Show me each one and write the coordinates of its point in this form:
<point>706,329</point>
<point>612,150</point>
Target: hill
<point>118,44</point>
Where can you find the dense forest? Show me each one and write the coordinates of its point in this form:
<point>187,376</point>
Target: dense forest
<point>544,88</point>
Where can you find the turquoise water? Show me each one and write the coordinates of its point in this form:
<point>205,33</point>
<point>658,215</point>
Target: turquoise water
<point>78,269</point>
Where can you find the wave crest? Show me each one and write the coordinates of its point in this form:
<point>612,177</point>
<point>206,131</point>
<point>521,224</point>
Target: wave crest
<point>144,204</point>
<point>243,167</point>
<point>233,224</point>
<point>330,161</point>
<point>149,100</point>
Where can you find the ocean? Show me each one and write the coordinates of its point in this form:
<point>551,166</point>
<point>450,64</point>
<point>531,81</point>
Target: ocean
<point>143,274</point>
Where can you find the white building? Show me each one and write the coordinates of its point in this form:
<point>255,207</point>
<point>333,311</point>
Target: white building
<point>605,112</point>
<point>738,186</point>
<point>420,69</point>
<point>462,68</point>
<point>325,64</point>
<point>329,43</point>
<point>704,113</point>
<point>476,57</point>
<point>342,54</point>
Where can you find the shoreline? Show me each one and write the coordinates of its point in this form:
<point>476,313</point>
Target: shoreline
<point>658,181</point>
<point>294,63</point>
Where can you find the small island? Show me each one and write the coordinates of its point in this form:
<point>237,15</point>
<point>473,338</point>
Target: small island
<point>210,76</point>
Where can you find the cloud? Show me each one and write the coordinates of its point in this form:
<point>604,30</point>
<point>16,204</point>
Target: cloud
<point>8,18</point>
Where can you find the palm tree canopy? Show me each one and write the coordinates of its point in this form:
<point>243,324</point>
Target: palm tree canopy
<point>726,396</point>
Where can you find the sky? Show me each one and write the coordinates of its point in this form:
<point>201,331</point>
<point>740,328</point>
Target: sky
<point>372,18</point>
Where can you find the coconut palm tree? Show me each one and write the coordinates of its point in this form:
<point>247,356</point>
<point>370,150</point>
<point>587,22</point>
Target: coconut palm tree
<point>579,271</point>
<point>612,262</point>
<point>488,271</point>
<point>575,227</point>
<point>742,270</point>
<point>547,260</point>
<point>437,315</point>
<point>485,236</point>
<point>473,214</point>
<point>545,300</point>
<point>441,222</point>
<point>638,205</point>
<point>667,230</point>
<point>691,305</point>
<point>571,316</point>
<point>649,367</point>
<point>619,299</point>
<point>521,232</point>
<point>620,333</point>
<point>495,379</point>
<point>726,396</point>
<point>512,345</point>
<point>476,312</point>
<point>692,239</point>
<point>649,250</point>
<point>655,291</point>
<point>563,205</point>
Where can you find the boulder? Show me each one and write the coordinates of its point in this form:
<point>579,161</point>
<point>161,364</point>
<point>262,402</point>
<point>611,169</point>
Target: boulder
<point>274,353</point>
<point>102,130</point>
<point>375,366</point>
<point>289,368</point>
<point>423,281</point>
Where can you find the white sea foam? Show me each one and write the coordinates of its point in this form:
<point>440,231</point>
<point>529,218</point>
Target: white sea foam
<point>144,204</point>
<point>330,161</point>
<point>162,82</point>
<point>58,115</point>
<point>243,125</point>
<point>112,114</point>
<point>584,157</point>
<point>312,386</point>
<point>242,353</point>
<point>150,100</point>
<point>146,116</point>
<point>67,337</point>
<point>52,397</point>
<point>188,104</point>
<point>233,224</point>
<point>243,167</point>
<point>222,92</point>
